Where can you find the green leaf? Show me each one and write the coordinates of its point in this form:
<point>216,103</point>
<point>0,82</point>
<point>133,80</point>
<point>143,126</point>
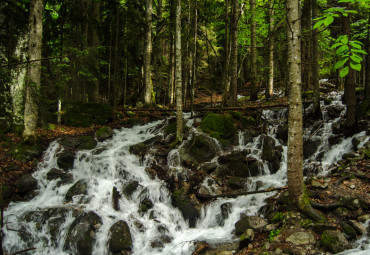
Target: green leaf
<point>342,50</point>
<point>359,51</point>
<point>356,58</point>
<point>344,72</point>
<point>355,45</point>
<point>355,66</point>
<point>328,20</point>
<point>318,24</point>
<point>344,40</point>
<point>340,63</point>
<point>335,46</point>
<point>345,1</point>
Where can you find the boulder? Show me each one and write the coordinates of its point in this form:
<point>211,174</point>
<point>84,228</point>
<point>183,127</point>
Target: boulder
<point>300,238</point>
<point>199,149</point>
<point>246,238</point>
<point>334,241</point>
<point>360,229</point>
<point>357,140</point>
<point>310,147</point>
<point>208,167</point>
<point>348,230</point>
<point>80,237</point>
<point>79,188</point>
<point>271,153</point>
<point>65,160</point>
<point>104,133</point>
<point>220,127</point>
<point>25,152</point>
<point>130,188</point>
<point>64,177</point>
<point>120,237</point>
<point>282,132</point>
<point>334,111</point>
<point>145,205</point>
<point>79,143</point>
<point>233,156</point>
<point>26,183</point>
<point>236,183</point>
<point>335,139</point>
<point>338,127</point>
<point>138,149</point>
<point>253,222</point>
<point>184,204</point>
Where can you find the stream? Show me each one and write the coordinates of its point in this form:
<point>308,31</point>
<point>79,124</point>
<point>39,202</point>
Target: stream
<point>162,229</point>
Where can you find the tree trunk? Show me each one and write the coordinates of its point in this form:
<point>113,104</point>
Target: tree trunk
<point>367,65</point>
<point>179,121</point>
<point>253,86</point>
<point>148,90</point>
<point>194,57</point>
<point>116,88</point>
<point>295,140</point>
<point>306,45</point>
<point>315,65</point>
<point>34,71</point>
<point>234,54</point>
<point>270,86</point>
<point>226,83</point>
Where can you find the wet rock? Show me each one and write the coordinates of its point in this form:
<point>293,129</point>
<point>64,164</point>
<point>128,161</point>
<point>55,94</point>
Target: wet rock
<point>26,183</point>
<point>139,149</point>
<point>338,127</point>
<point>130,188</point>
<point>225,211</point>
<point>199,149</point>
<point>282,132</point>
<point>334,241</point>
<point>364,218</point>
<point>79,188</point>
<point>209,187</point>
<point>79,143</point>
<point>153,140</point>
<point>220,127</point>
<point>115,199</point>
<point>145,205</point>
<point>252,222</point>
<point>319,228</point>
<point>221,171</point>
<point>271,153</point>
<point>302,237</point>
<point>319,184</point>
<point>65,160</point>
<point>7,192</point>
<point>246,238</point>
<point>334,111</point>
<point>357,140</point>
<point>64,177</point>
<point>80,238</point>
<point>236,183</point>
<point>233,156</point>
<point>310,147</point>
<point>208,167</point>
<point>360,229</point>
<point>120,237</point>
<point>187,209</point>
<point>104,133</point>
<point>335,139</point>
<point>201,247</point>
<point>25,152</point>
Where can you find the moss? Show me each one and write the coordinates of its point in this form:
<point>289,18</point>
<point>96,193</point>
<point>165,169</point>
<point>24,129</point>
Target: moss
<point>367,154</point>
<point>279,216</point>
<point>25,152</point>
<point>327,239</point>
<point>218,126</point>
<point>51,126</point>
<point>235,115</point>
<point>171,128</point>
<point>328,101</point>
<point>174,144</point>
<point>246,98</point>
<point>306,223</point>
<point>101,131</point>
<point>248,121</point>
<point>179,197</point>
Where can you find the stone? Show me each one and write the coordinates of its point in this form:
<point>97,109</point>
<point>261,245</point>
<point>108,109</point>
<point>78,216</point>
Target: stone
<point>145,205</point>
<point>103,134</point>
<point>79,143</point>
<point>319,228</point>
<point>282,132</point>
<point>338,127</point>
<point>334,241</point>
<point>233,156</point>
<point>253,222</point>
<point>25,152</point>
<point>302,237</point>
<point>360,229</point>
<point>310,147</point>
<point>80,237</point>
<point>188,210</point>
<point>236,183</point>
<point>199,149</point>
<point>208,167</point>
<point>364,218</point>
<point>130,188</point>
<point>65,160</point>
<point>120,237</point>
<point>334,111</point>
<point>246,238</point>
<point>220,127</point>
<point>79,188</point>
<point>357,140</point>
<point>271,153</point>
<point>319,184</point>
<point>335,139</point>
<point>139,149</point>
<point>55,173</point>
<point>26,183</point>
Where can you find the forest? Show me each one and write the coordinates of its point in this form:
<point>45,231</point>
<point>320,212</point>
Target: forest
<point>185,126</point>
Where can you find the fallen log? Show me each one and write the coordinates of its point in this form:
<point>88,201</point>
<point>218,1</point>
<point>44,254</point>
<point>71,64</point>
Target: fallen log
<point>234,195</point>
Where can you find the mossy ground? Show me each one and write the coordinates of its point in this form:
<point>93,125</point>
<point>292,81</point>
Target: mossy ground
<point>218,126</point>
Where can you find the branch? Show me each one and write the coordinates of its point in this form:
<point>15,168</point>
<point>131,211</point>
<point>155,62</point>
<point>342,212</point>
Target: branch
<point>233,195</point>
<point>19,252</point>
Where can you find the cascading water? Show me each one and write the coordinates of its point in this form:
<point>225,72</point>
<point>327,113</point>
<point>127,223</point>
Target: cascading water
<point>162,228</point>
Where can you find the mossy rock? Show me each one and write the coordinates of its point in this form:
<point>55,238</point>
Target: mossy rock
<point>367,154</point>
<point>26,183</point>
<point>104,133</point>
<point>130,188</point>
<point>79,188</point>
<point>348,230</point>
<point>25,152</point>
<point>79,143</point>
<point>334,241</point>
<point>219,126</point>
<point>248,121</point>
<point>85,114</point>
<point>120,238</point>
<point>199,149</point>
<point>236,115</point>
<point>188,210</point>
<point>279,216</point>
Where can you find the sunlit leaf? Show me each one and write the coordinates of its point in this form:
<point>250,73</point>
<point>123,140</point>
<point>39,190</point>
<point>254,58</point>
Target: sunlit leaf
<point>343,49</point>
<point>355,66</point>
<point>340,63</point>
<point>344,40</point>
<point>344,72</point>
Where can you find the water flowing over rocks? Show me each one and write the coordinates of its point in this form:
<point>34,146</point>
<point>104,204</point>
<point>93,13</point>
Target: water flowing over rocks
<point>120,238</point>
<point>201,148</point>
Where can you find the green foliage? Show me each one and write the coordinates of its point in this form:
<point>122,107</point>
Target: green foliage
<point>273,234</point>
<point>279,216</point>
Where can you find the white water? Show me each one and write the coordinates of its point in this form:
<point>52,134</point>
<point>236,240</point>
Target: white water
<point>115,167</point>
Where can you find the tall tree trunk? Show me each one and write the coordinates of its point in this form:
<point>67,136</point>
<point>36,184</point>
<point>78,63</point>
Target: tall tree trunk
<point>116,88</point>
<point>350,87</point>
<point>315,65</point>
<point>171,65</point>
<point>253,86</point>
<point>225,78</point>
<point>194,57</point>
<point>270,86</point>
<point>295,136</point>
<point>367,65</point>
<point>158,52</point>
<point>306,45</point>
<point>148,90</point>
<point>179,121</point>
<point>234,54</point>
<point>34,71</point>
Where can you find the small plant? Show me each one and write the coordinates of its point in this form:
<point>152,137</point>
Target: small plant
<point>273,234</point>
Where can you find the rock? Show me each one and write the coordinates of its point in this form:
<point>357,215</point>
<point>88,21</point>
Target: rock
<point>64,177</point>
<point>310,147</point>
<point>130,188</point>
<point>7,192</point>
<point>360,229</point>
<point>104,133</point>
<point>252,222</point>
<point>246,238</point>
<point>338,127</point>
<point>200,248</point>
<point>79,143</point>
<point>299,238</point>
<point>357,140</point>
<point>271,153</point>
<point>225,211</point>
<point>120,237</point>
<point>334,241</point>
<point>26,183</point>
<point>270,227</point>
<point>282,132</point>
<point>145,205</point>
<point>139,149</point>
<point>199,149</point>
<point>79,188</point>
<point>208,167</point>
<point>25,152</point>
<point>11,167</point>
<point>319,228</point>
<point>187,209</point>
<point>236,183</point>
<point>65,160</point>
<point>335,139</point>
<point>115,199</point>
<point>348,155</point>
<point>220,127</point>
<point>364,218</point>
<point>209,187</point>
<point>80,237</point>
<point>334,111</point>
<point>319,184</point>
<point>233,156</point>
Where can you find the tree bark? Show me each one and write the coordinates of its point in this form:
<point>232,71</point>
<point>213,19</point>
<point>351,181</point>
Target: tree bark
<point>234,54</point>
<point>179,120</point>
<point>253,86</point>
<point>316,111</point>
<point>34,71</point>
<point>270,86</point>
<point>148,90</point>
<point>194,57</point>
<point>226,81</point>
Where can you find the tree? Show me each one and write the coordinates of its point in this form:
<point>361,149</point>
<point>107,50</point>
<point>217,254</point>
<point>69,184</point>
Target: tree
<point>270,85</point>
<point>226,81</point>
<point>148,91</point>
<point>316,111</point>
<point>234,53</point>
<point>253,85</point>
<point>34,71</point>
<point>179,121</point>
